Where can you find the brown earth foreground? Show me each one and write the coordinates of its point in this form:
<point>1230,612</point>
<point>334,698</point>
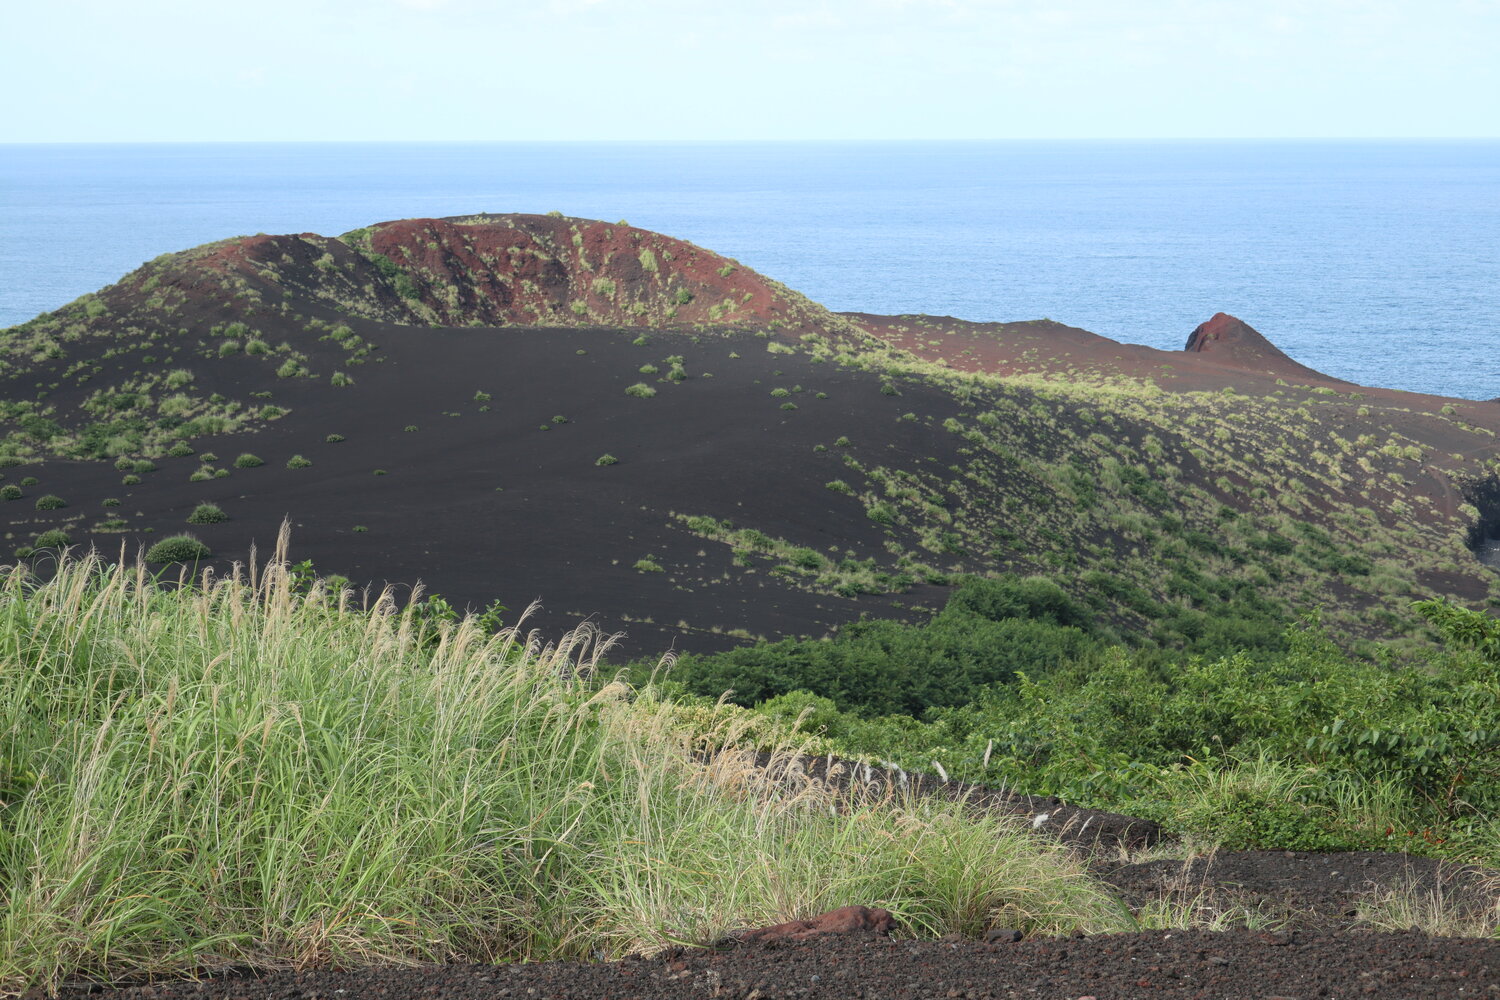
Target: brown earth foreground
<point>1199,964</point>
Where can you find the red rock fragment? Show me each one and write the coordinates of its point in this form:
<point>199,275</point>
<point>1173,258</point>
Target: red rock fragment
<point>844,920</point>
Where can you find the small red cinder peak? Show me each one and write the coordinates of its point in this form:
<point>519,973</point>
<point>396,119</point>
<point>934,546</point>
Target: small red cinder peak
<point>1225,329</point>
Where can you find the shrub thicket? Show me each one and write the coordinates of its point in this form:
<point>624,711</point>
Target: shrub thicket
<point>178,548</point>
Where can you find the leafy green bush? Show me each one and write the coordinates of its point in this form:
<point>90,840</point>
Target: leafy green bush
<point>606,460</point>
<point>334,438</point>
<point>178,548</point>
<point>56,538</point>
<point>29,480</point>
<point>180,450</point>
<point>207,513</point>
<point>640,390</point>
<point>248,461</point>
<point>10,491</point>
<point>298,462</point>
<point>990,631</point>
<point>130,480</point>
<point>110,502</point>
<point>50,501</point>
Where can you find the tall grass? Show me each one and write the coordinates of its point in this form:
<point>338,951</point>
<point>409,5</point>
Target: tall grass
<point>237,772</point>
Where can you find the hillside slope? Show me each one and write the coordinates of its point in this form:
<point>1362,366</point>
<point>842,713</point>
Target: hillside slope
<point>627,426</point>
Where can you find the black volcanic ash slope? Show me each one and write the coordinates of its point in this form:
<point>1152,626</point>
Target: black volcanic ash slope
<point>630,427</point>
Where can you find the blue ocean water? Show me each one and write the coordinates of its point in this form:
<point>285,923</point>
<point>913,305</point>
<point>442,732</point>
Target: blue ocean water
<point>1374,261</point>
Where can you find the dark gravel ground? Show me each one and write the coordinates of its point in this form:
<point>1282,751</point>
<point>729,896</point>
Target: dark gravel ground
<point>1197,964</point>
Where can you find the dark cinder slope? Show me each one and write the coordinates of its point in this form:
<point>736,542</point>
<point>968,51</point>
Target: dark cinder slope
<point>633,428</point>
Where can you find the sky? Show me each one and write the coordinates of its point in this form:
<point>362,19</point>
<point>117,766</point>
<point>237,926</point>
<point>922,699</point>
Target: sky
<point>408,70</point>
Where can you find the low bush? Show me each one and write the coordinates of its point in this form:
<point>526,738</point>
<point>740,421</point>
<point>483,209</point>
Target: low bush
<point>640,390</point>
<point>606,460</point>
<point>50,501</point>
<point>178,548</point>
<point>248,461</point>
<point>56,538</point>
<point>298,462</point>
<point>207,513</point>
<point>10,491</point>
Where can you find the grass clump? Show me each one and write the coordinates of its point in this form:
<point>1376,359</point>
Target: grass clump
<point>640,390</point>
<point>55,538</point>
<point>248,461</point>
<point>178,548</point>
<point>239,806</point>
<point>50,501</point>
<point>10,491</point>
<point>606,460</point>
<point>298,462</point>
<point>207,513</point>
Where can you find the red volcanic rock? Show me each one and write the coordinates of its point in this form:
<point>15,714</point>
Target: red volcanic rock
<point>844,920</point>
<point>501,270</point>
<point>1233,343</point>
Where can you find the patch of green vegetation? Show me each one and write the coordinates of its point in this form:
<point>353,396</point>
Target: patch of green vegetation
<point>10,491</point>
<point>334,438</point>
<point>640,390</point>
<point>54,538</point>
<point>50,501</point>
<point>178,548</point>
<point>246,460</point>
<point>298,462</point>
<point>207,513</point>
<point>606,460</point>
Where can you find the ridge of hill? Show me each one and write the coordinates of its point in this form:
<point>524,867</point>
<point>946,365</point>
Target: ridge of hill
<point>631,427</point>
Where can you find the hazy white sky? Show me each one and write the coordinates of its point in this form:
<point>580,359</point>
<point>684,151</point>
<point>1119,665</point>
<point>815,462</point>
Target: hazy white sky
<point>106,70</point>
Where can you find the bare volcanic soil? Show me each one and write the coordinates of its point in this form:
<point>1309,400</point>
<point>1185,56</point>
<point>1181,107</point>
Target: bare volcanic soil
<point>1226,965</point>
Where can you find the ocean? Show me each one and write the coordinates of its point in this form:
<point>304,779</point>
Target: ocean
<point>1373,261</point>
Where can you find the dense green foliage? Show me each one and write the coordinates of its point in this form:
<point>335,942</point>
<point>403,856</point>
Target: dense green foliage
<point>1297,744</point>
<point>989,631</point>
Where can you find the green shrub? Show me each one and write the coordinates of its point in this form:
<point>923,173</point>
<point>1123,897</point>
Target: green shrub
<point>256,346</point>
<point>208,456</point>
<point>10,491</point>
<point>788,406</point>
<point>410,428</point>
<point>53,539</point>
<point>23,551</point>
<point>130,480</point>
<point>110,502</point>
<point>334,438</point>
<point>298,462</point>
<point>248,461</point>
<point>647,565</point>
<point>207,513</point>
<point>29,480</point>
<point>143,466</point>
<point>648,369</point>
<point>605,459</point>
<point>178,548</point>
<point>180,450</point>
<point>340,379</point>
<point>779,393</point>
<point>640,390</point>
<point>50,501</point>
<point>841,442</point>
